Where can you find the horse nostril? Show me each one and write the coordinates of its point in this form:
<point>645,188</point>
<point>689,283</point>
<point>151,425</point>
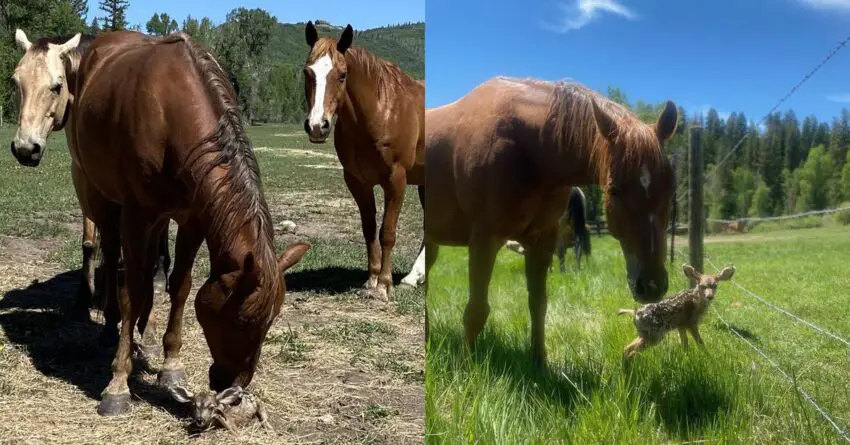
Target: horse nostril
<point>326,124</point>
<point>36,149</point>
<point>307,126</point>
<point>12,146</point>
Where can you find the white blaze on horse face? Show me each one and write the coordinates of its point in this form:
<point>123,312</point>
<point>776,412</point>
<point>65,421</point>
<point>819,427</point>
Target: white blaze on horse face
<point>321,68</point>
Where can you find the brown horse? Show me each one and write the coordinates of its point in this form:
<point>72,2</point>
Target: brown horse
<point>379,137</point>
<point>500,163</point>
<point>158,135</point>
<point>46,78</point>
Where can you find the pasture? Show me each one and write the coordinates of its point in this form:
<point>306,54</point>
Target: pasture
<point>724,394</point>
<point>336,367</point>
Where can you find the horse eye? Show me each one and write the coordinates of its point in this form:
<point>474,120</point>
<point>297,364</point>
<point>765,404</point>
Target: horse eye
<point>56,89</point>
<point>342,77</point>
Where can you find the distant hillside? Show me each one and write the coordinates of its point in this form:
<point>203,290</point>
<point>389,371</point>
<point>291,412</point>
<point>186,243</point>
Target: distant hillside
<point>402,44</point>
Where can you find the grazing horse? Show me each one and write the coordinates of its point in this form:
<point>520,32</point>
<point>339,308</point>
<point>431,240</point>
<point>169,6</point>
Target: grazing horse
<point>158,136</point>
<point>500,163</point>
<point>46,78</point>
<point>572,229</point>
<point>379,137</point>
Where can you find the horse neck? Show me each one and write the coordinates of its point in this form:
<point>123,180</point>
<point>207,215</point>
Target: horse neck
<point>562,161</point>
<point>361,94</point>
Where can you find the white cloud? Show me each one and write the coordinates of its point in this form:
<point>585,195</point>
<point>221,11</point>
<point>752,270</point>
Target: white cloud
<point>840,98</point>
<point>827,4</point>
<point>578,13</point>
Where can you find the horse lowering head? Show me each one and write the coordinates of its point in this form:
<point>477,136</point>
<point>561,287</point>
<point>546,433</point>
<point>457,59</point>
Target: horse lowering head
<point>324,80</point>
<point>236,311</point>
<point>44,96</point>
<point>637,196</point>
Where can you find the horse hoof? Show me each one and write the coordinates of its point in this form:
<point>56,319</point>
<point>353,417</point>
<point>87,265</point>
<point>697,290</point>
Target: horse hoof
<point>113,405</point>
<point>170,379</point>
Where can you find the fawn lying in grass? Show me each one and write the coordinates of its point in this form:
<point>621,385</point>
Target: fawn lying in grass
<point>230,408</point>
<point>684,311</point>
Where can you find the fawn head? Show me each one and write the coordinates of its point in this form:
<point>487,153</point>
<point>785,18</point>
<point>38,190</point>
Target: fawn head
<point>206,405</point>
<point>707,284</point>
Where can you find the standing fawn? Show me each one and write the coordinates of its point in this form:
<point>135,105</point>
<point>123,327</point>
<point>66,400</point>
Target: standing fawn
<point>684,311</point>
<point>230,408</point>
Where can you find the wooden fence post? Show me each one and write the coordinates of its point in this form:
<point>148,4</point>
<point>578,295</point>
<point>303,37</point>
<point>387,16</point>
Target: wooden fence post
<point>696,222</point>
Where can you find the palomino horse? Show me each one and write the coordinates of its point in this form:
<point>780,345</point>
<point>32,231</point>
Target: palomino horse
<point>500,163</point>
<point>379,137</point>
<point>158,135</point>
<point>46,78</point>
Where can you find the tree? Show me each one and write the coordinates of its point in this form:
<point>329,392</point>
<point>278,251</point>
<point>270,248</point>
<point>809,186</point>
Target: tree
<point>161,25</point>
<point>814,180</point>
<point>792,145</point>
<point>845,180</point>
<point>761,201</point>
<point>80,8</point>
<point>744,185</point>
<point>116,18</point>
<point>95,26</point>
<point>840,136</point>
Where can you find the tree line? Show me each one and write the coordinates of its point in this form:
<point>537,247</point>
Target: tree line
<point>264,57</point>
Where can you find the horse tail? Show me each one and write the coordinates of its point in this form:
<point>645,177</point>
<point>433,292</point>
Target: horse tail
<point>577,210</point>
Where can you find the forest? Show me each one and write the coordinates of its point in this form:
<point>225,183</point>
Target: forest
<point>265,57</point>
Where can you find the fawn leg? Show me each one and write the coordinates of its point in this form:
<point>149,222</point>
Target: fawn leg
<point>695,332</point>
<point>684,336</point>
<point>264,417</point>
<point>635,347</point>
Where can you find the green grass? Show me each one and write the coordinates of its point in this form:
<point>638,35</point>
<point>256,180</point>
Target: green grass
<point>724,394</point>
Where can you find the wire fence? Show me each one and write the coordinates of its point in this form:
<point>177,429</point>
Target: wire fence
<point>782,217</point>
<point>842,433</point>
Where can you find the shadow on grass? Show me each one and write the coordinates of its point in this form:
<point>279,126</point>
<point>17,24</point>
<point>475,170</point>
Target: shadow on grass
<point>505,361</point>
<point>68,349</point>
<point>331,280</point>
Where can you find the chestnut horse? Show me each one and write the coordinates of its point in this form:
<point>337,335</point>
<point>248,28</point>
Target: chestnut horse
<point>158,136</point>
<point>500,163</point>
<point>46,78</point>
<point>379,137</point>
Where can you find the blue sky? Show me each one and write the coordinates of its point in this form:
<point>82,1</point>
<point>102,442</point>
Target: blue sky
<point>733,55</point>
<point>359,13</point>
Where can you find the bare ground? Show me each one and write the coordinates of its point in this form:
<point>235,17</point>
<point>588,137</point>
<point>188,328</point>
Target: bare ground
<point>336,368</point>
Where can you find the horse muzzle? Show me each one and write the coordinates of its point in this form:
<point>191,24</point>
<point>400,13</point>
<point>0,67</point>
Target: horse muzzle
<point>318,133</point>
<point>28,155</point>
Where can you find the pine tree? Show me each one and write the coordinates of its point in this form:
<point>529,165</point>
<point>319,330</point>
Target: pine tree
<point>80,7</point>
<point>793,153</point>
<point>116,18</point>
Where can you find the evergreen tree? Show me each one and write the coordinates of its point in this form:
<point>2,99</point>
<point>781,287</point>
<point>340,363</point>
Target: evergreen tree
<point>792,145</point>
<point>116,14</point>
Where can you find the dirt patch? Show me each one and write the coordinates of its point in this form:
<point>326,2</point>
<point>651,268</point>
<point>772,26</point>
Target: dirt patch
<point>323,166</point>
<point>288,135</point>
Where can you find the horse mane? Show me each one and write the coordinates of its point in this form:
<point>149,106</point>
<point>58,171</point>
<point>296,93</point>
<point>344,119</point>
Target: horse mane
<point>43,44</point>
<point>230,147</point>
<point>572,125</point>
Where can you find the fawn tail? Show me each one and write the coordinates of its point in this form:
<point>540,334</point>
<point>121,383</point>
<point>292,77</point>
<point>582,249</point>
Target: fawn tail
<point>626,311</point>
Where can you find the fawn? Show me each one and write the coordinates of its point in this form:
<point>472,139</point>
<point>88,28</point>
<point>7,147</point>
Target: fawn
<point>684,311</point>
<point>231,408</point>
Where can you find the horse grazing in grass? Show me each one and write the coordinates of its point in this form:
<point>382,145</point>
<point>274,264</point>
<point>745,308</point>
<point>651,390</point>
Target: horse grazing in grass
<point>46,79</point>
<point>573,229</point>
<point>158,136</point>
<point>500,163</point>
<point>379,138</point>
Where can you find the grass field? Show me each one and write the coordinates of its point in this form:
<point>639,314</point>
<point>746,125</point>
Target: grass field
<point>336,368</point>
<point>724,394</point>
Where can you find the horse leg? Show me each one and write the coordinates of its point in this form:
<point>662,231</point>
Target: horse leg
<point>364,196</point>
<point>149,346</point>
<point>417,273</point>
<point>110,247</point>
<point>188,242</point>
<point>136,231</point>
<point>393,199</point>
<point>86,291</point>
<point>163,262</point>
<point>561,251</point>
<point>483,248</point>
<point>431,252</point>
<point>537,259</point>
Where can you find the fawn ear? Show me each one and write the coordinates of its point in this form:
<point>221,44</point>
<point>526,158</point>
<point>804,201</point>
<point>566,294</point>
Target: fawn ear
<point>230,395</point>
<point>690,272</point>
<point>726,273</point>
<point>180,394</point>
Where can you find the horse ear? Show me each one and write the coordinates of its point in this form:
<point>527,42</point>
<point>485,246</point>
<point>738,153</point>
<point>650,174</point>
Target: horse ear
<point>726,273</point>
<point>180,394</point>
<point>345,39</point>
<point>70,45</point>
<point>667,122</point>
<point>292,255</point>
<point>311,33</point>
<point>604,123</point>
<point>21,39</point>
